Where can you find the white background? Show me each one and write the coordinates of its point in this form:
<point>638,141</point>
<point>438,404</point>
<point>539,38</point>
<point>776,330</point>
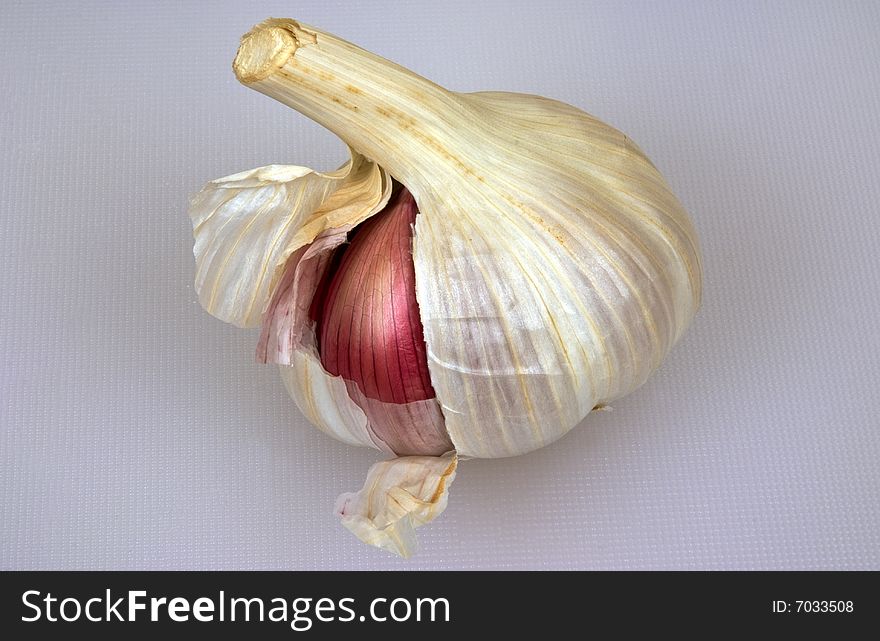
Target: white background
<point>137,431</point>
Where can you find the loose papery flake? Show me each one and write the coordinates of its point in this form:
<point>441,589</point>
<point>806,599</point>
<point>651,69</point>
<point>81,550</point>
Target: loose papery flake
<point>399,495</point>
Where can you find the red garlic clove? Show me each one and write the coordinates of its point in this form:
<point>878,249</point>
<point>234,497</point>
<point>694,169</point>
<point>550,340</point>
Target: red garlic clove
<point>368,326</point>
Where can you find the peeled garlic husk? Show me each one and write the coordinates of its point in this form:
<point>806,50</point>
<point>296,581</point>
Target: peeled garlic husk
<point>554,268</point>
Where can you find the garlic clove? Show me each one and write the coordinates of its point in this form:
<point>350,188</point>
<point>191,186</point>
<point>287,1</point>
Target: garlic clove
<point>369,328</point>
<point>336,406</point>
<point>398,496</point>
<point>370,333</point>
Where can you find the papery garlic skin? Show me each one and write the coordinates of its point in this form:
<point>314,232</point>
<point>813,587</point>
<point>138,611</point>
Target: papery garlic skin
<point>554,267</point>
<point>398,496</point>
<point>247,225</point>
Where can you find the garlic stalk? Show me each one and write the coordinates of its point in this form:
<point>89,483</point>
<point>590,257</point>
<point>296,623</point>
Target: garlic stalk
<point>552,268</point>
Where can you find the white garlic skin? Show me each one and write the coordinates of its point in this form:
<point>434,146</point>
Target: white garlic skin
<point>569,270</point>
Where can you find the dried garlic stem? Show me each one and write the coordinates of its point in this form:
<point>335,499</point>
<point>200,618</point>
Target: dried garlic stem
<point>386,112</point>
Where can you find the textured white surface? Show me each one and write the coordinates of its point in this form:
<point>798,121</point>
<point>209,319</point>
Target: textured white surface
<point>137,432</point>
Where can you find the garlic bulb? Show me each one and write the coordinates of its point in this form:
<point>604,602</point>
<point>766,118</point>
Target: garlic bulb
<point>551,268</point>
